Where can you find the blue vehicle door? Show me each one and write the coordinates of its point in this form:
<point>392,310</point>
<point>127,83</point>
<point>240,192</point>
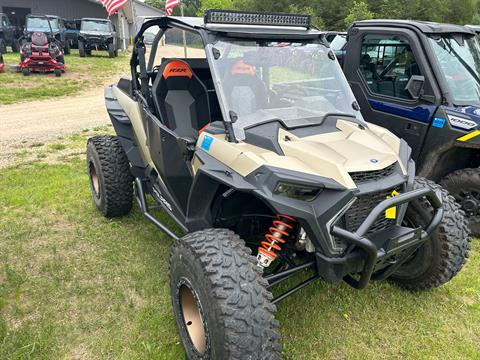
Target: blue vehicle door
<point>379,64</point>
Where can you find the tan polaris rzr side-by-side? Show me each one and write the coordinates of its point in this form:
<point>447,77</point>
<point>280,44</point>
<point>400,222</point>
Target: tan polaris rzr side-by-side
<point>259,153</point>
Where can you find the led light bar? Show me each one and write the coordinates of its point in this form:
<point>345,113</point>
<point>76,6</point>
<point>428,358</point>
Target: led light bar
<point>255,18</point>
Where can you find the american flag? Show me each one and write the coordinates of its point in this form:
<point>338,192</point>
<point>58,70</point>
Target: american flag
<point>169,5</point>
<point>113,6</point>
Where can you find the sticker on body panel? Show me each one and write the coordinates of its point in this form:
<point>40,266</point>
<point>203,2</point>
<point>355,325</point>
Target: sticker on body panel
<point>438,123</point>
<point>206,143</point>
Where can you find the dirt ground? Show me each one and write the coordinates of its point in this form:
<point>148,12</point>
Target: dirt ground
<point>24,124</point>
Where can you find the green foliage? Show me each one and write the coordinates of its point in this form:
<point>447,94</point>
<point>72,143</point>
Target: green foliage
<point>359,11</point>
<point>337,14</point>
<point>159,4</point>
<point>316,19</point>
<point>332,12</point>
<point>264,5</point>
<point>214,4</point>
<point>448,11</point>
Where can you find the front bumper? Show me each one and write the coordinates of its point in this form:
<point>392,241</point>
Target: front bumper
<point>45,64</point>
<point>96,43</point>
<point>368,254</point>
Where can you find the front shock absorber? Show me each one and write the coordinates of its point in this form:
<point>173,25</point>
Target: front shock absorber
<point>278,233</point>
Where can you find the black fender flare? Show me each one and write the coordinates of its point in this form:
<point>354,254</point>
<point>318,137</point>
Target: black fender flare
<point>124,130</point>
<point>208,179</point>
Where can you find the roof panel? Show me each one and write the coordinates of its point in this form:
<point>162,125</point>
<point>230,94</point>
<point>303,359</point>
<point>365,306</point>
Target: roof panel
<point>423,26</point>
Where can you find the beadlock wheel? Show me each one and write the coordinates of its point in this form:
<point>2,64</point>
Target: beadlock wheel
<point>220,300</point>
<point>111,182</point>
<point>94,179</point>
<point>192,317</point>
<point>464,185</point>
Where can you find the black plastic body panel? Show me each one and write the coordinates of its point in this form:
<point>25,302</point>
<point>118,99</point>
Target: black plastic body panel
<point>313,216</point>
<point>169,160</point>
<point>125,84</point>
<point>265,136</point>
<point>124,130</point>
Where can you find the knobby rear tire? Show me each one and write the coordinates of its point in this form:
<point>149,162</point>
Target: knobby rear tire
<point>111,182</point>
<point>463,183</point>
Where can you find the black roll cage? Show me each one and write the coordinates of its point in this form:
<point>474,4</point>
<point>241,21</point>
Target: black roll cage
<point>140,69</point>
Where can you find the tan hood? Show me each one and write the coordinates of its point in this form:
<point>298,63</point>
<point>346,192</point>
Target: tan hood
<point>332,155</point>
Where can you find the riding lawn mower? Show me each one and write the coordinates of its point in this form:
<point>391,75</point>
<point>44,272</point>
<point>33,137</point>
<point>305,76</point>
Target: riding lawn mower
<point>41,52</point>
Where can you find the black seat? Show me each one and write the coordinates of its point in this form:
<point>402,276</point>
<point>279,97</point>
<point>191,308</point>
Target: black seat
<point>180,99</point>
<point>245,91</point>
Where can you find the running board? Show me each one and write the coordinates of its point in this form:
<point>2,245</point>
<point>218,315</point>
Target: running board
<point>142,203</point>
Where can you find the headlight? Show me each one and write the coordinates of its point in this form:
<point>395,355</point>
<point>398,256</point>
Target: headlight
<point>295,191</point>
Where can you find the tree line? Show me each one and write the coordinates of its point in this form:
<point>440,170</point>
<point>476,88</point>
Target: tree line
<point>337,14</point>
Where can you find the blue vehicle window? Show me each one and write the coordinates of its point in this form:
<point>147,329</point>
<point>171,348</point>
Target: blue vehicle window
<point>459,60</point>
<point>98,26</point>
<point>38,23</point>
<point>387,62</point>
<point>338,42</point>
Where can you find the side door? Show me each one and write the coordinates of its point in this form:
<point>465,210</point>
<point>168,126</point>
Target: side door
<point>63,31</point>
<point>164,126</point>
<point>378,65</point>
<point>7,30</point>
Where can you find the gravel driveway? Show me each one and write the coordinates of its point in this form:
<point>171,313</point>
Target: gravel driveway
<point>40,121</point>
<point>23,124</point>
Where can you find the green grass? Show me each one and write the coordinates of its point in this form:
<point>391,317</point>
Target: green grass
<point>76,285</point>
<point>81,74</point>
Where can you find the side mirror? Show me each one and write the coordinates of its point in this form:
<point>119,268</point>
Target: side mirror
<point>340,56</point>
<point>414,86</point>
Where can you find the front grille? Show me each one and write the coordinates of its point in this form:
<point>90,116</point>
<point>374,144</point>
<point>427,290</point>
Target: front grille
<point>95,39</point>
<point>366,176</point>
<point>360,209</point>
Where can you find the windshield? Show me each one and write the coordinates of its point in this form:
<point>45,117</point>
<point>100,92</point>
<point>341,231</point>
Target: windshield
<point>54,24</point>
<point>151,32</point>
<point>459,60</point>
<point>38,23</point>
<point>100,26</point>
<point>338,42</point>
<point>296,83</point>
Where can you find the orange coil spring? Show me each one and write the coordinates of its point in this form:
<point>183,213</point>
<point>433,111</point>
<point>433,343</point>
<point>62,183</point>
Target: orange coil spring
<point>282,226</point>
